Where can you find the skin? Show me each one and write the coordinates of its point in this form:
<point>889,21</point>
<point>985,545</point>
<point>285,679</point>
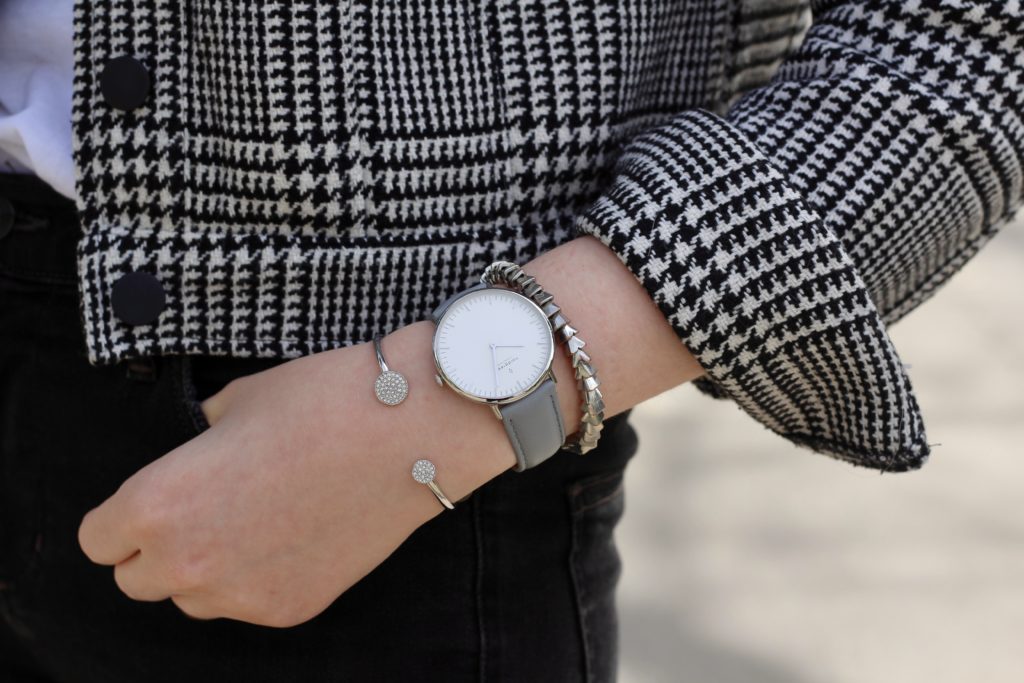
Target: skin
<point>249,520</point>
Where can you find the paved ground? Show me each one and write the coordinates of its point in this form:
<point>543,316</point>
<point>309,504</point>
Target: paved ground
<point>747,559</point>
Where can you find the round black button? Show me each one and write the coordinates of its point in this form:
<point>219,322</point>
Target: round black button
<point>6,216</point>
<point>137,298</point>
<point>124,82</point>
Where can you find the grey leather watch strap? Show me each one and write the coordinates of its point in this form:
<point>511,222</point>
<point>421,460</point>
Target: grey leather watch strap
<point>534,425</point>
<point>534,422</point>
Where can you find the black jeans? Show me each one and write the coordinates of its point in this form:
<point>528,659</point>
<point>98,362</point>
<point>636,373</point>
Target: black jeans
<point>522,575</point>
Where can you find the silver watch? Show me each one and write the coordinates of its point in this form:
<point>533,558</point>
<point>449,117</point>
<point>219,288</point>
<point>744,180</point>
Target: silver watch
<point>495,346</point>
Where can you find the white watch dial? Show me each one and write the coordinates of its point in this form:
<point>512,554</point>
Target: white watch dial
<point>493,344</point>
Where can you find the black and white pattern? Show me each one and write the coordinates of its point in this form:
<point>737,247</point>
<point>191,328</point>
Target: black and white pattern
<point>305,174</point>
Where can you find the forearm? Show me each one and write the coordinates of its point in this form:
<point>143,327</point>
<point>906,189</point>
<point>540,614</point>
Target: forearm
<point>302,483</point>
<point>635,352</point>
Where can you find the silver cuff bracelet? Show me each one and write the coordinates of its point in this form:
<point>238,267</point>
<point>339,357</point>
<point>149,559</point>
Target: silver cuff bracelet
<point>391,386</point>
<point>584,440</point>
<point>424,472</point>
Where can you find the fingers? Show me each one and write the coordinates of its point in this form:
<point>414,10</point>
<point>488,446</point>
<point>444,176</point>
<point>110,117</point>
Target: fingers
<point>104,533</point>
<point>211,410</point>
<point>216,405</point>
<point>141,511</point>
<point>136,579</point>
<point>139,579</point>
<point>195,607</point>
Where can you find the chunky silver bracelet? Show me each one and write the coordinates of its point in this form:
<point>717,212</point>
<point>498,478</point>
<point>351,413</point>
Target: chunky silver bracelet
<point>584,440</point>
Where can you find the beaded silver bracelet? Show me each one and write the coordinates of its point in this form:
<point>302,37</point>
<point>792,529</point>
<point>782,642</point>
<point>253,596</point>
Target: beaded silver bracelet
<point>584,440</point>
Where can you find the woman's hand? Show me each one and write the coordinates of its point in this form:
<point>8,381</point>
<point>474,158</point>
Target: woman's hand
<point>300,487</point>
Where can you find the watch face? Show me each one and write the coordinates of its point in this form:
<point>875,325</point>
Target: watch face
<point>493,344</point>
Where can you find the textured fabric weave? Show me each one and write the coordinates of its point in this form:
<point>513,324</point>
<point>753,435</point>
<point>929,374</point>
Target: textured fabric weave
<point>308,173</point>
<point>780,239</point>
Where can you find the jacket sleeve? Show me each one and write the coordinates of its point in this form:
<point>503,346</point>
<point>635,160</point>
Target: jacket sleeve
<point>780,238</point>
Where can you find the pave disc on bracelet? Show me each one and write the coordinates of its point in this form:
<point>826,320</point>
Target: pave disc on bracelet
<point>391,386</point>
<point>424,472</point>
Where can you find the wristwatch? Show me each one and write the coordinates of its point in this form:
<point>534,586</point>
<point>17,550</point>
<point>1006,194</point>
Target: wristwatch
<point>495,346</point>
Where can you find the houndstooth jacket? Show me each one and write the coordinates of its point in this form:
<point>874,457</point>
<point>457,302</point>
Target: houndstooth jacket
<point>785,179</point>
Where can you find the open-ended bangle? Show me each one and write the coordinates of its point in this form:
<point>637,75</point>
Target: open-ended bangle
<point>424,472</point>
<point>592,421</point>
<point>391,386</point>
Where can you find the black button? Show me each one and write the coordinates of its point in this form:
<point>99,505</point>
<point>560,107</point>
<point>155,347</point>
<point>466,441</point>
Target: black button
<point>124,82</point>
<point>6,216</point>
<point>137,297</point>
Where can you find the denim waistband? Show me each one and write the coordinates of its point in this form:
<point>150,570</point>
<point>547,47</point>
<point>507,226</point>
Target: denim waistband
<point>39,230</point>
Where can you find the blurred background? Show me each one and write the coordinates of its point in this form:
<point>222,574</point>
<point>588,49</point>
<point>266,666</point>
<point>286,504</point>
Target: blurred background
<point>749,559</point>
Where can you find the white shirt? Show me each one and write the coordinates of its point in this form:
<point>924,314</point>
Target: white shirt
<point>36,69</point>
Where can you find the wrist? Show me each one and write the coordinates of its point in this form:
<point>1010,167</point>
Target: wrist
<point>462,435</point>
<point>441,421</point>
<point>463,438</point>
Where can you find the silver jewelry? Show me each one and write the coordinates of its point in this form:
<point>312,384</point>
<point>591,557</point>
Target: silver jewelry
<point>584,440</point>
<point>391,386</point>
<point>424,472</point>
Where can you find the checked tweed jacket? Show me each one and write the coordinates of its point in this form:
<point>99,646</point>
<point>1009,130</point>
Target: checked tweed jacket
<point>786,179</point>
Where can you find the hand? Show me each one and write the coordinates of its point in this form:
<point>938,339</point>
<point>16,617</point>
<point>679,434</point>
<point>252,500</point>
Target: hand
<point>302,484</point>
<point>300,487</point>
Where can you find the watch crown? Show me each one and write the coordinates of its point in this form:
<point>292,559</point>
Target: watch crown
<point>437,378</point>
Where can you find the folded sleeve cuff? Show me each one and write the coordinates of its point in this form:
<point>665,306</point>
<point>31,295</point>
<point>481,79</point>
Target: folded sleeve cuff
<point>759,290</point>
